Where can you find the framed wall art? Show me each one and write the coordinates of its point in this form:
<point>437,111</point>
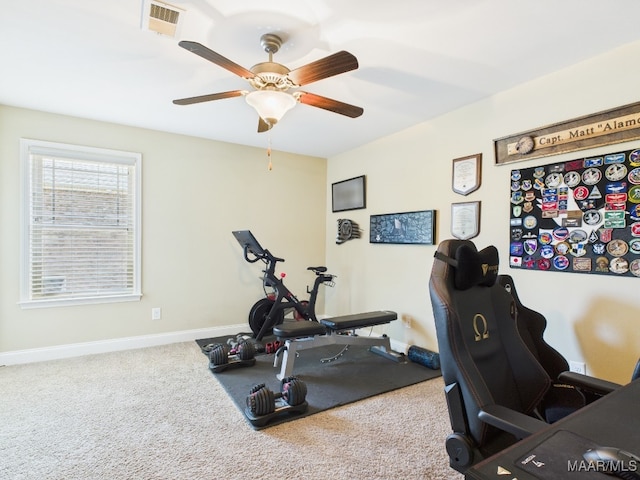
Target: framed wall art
<point>580,216</point>
<point>348,194</point>
<point>408,228</point>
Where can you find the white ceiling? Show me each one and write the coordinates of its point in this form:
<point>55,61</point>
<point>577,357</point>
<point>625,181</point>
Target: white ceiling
<point>418,59</point>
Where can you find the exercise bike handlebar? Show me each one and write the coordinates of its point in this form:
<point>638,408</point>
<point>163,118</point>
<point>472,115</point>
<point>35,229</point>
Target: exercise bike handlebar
<point>265,256</point>
<point>271,260</point>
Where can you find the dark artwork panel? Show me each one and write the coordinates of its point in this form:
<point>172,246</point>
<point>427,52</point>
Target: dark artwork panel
<point>409,227</point>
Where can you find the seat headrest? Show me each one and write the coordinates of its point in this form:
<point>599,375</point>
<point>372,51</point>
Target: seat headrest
<point>476,267</point>
<point>473,267</point>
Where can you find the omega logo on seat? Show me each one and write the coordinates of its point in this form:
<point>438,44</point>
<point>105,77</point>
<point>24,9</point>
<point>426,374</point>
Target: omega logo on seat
<point>485,328</point>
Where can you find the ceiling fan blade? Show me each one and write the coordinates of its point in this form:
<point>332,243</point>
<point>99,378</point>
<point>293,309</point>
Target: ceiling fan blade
<point>335,64</point>
<point>216,58</point>
<point>208,98</point>
<point>263,126</point>
<point>330,104</point>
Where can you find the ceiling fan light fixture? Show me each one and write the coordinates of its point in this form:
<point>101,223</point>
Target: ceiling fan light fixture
<point>271,105</point>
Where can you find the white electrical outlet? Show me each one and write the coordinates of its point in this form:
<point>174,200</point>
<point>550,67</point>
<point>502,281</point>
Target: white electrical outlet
<point>578,367</point>
<point>156,313</point>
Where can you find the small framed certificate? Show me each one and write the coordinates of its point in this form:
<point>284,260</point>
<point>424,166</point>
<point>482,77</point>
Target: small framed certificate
<point>465,220</point>
<point>466,176</point>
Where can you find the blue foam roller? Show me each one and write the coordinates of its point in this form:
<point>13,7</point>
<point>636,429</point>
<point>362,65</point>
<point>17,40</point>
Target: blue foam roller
<point>424,357</point>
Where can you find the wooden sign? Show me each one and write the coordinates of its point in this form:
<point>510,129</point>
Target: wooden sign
<point>604,128</point>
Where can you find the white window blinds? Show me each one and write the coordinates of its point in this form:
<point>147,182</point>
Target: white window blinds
<point>81,225</point>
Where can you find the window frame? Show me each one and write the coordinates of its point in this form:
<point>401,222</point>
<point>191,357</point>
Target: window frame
<point>30,147</point>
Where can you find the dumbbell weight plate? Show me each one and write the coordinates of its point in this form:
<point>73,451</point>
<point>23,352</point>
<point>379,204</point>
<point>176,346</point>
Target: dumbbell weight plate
<point>293,390</point>
<point>261,401</point>
<point>246,350</point>
<point>219,354</point>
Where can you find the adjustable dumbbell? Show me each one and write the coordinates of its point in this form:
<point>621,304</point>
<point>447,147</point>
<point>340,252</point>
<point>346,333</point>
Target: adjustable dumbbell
<point>234,342</point>
<point>220,353</point>
<point>221,358</point>
<point>262,401</point>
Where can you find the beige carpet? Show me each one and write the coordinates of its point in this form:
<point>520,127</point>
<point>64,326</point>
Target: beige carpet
<point>158,413</point>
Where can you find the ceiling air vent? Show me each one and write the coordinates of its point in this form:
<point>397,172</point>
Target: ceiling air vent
<point>162,18</point>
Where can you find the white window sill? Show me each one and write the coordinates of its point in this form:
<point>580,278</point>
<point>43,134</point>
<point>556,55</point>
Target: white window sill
<point>66,302</point>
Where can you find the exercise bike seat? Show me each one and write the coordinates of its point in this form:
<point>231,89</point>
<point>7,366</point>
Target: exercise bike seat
<point>317,269</point>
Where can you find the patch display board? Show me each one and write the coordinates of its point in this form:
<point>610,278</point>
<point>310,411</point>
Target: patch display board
<point>580,216</point>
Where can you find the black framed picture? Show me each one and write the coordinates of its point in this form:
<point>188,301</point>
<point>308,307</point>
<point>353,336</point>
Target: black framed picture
<point>348,194</point>
<point>409,228</point>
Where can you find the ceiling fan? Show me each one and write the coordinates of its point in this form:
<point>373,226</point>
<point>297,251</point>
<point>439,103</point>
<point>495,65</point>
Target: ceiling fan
<point>271,82</point>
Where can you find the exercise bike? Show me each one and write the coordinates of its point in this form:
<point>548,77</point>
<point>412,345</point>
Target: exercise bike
<point>270,311</point>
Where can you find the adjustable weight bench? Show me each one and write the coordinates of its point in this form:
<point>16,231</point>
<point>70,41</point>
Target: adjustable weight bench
<point>304,335</point>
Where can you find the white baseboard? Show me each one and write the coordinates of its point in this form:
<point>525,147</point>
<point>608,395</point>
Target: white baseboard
<point>399,346</point>
<point>396,346</point>
<point>104,346</point>
<point>57,352</point>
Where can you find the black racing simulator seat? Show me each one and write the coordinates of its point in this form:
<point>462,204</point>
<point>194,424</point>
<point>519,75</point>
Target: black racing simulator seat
<point>564,396</point>
<point>494,385</point>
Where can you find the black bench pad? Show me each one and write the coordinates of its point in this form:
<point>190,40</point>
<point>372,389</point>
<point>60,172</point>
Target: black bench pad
<point>306,328</point>
<point>303,328</point>
<point>357,320</point>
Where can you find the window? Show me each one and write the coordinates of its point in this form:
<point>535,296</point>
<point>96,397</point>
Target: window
<point>81,224</point>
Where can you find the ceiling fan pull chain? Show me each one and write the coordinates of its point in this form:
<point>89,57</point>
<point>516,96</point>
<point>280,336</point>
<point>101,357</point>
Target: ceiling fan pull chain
<point>270,166</point>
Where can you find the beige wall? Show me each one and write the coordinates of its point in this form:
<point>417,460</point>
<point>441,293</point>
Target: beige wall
<point>195,192</point>
<point>591,318</point>
<point>193,269</point>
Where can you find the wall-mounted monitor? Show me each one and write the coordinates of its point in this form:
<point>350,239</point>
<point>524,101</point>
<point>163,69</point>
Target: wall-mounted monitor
<point>348,194</point>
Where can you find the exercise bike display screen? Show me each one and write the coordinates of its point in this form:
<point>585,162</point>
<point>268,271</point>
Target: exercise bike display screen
<point>246,240</point>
